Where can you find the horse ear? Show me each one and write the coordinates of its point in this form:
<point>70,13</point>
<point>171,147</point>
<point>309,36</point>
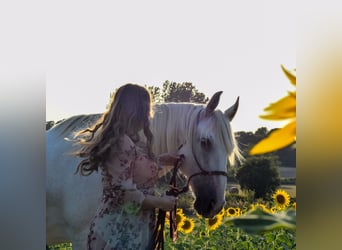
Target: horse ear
<point>230,112</point>
<point>212,104</point>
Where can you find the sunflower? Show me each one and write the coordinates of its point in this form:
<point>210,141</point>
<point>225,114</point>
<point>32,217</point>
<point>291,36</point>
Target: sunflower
<point>262,206</point>
<point>283,109</point>
<point>180,217</point>
<point>188,225</point>
<point>203,234</point>
<point>179,210</point>
<point>281,198</point>
<point>222,212</point>
<point>294,205</point>
<point>232,212</point>
<point>274,210</point>
<point>167,223</point>
<point>199,216</point>
<point>213,223</point>
<point>167,218</point>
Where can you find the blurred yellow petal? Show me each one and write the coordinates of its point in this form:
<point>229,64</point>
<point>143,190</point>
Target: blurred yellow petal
<point>291,75</point>
<point>278,139</point>
<point>293,94</point>
<point>283,103</point>
<point>284,108</point>
<point>277,116</point>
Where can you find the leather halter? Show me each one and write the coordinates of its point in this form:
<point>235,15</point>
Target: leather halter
<point>203,171</point>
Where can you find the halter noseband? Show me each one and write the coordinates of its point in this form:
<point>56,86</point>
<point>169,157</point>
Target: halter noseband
<point>203,171</point>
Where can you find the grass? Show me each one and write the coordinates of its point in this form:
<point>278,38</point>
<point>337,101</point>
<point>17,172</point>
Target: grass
<point>61,246</point>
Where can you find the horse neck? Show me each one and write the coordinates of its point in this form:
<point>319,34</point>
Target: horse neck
<point>173,125</point>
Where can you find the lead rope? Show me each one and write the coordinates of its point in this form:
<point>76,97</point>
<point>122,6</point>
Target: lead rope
<point>158,234</point>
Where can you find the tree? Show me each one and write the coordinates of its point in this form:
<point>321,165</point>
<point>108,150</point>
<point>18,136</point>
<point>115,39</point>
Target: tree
<point>260,174</point>
<point>287,156</point>
<point>246,140</point>
<point>172,92</point>
<point>182,92</point>
<point>261,133</point>
<point>155,93</point>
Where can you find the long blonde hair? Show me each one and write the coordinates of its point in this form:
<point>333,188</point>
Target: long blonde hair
<point>129,112</point>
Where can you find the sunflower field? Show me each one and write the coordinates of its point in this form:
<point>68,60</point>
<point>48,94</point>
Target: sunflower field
<point>270,225</point>
<point>260,225</point>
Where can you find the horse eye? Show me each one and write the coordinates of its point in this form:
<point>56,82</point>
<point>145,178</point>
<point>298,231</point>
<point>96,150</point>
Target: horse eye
<point>205,143</point>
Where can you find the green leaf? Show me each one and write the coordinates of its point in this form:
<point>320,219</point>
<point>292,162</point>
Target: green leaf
<point>269,237</point>
<point>258,221</point>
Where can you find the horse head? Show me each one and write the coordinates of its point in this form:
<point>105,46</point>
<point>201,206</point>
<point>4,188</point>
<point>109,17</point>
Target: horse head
<point>209,150</point>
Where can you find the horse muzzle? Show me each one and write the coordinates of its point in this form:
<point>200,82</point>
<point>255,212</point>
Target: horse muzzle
<point>208,208</point>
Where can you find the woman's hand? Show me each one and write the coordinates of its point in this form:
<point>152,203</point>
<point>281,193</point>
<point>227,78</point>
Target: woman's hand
<point>168,158</point>
<point>167,202</point>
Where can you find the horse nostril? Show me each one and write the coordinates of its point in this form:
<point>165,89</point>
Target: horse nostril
<point>211,204</point>
<point>205,207</point>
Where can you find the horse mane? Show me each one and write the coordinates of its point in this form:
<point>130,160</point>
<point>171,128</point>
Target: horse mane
<point>183,117</point>
<point>177,121</point>
<point>227,138</point>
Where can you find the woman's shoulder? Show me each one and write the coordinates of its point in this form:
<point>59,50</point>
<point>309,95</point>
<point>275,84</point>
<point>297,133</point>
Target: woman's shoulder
<point>127,143</point>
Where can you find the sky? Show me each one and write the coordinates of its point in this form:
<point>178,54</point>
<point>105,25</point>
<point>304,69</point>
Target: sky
<point>232,46</point>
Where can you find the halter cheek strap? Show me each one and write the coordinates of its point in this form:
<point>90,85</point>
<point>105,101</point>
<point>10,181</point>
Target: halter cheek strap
<point>203,171</point>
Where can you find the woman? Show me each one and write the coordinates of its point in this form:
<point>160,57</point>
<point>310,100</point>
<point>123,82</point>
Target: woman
<point>126,216</point>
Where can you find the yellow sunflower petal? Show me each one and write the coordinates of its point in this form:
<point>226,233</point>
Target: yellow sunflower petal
<point>292,93</point>
<point>215,222</point>
<point>281,198</point>
<point>284,108</point>
<point>180,217</point>
<point>291,75</point>
<point>187,226</point>
<point>278,139</point>
<point>222,212</point>
<point>231,211</point>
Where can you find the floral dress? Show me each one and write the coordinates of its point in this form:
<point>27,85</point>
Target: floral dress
<point>120,222</point>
